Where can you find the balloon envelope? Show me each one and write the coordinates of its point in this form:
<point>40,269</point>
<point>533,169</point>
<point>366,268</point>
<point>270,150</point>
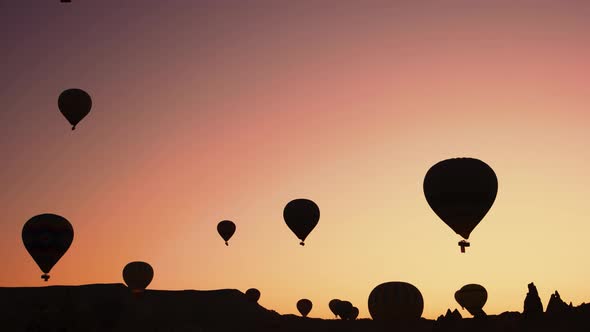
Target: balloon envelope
<point>345,310</point>
<point>304,306</point>
<point>395,301</point>
<point>226,229</point>
<point>461,191</point>
<point>74,104</point>
<point>253,295</point>
<point>333,304</point>
<point>137,276</point>
<point>301,216</point>
<point>47,237</point>
<point>472,297</point>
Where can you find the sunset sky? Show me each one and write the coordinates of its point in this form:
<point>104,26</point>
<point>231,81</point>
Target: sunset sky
<point>212,110</point>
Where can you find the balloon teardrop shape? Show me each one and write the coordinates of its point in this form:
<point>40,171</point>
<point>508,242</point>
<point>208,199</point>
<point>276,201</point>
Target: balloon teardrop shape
<point>226,230</point>
<point>461,191</point>
<point>47,237</point>
<point>304,306</point>
<point>74,104</point>
<point>137,276</point>
<point>301,216</point>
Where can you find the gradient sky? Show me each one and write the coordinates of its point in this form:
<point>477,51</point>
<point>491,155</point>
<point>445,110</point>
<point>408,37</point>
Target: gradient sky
<point>204,111</point>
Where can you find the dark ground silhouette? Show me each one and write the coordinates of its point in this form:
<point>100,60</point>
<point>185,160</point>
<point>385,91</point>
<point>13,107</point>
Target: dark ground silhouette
<point>111,307</point>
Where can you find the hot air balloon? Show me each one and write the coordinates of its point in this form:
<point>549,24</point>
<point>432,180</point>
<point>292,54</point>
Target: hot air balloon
<point>137,276</point>
<point>304,307</point>
<point>301,215</point>
<point>355,313</point>
<point>253,295</point>
<point>333,304</point>
<point>47,237</point>
<point>472,297</point>
<point>461,191</point>
<point>345,310</point>
<point>74,104</point>
<point>395,301</point>
<point>226,229</point>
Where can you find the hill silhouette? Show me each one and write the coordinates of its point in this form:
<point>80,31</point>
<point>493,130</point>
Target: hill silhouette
<point>112,307</point>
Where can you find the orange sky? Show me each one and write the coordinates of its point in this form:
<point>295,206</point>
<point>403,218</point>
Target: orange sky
<point>222,110</point>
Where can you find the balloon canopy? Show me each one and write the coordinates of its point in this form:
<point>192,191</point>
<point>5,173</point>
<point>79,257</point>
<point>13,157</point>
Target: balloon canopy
<point>333,304</point>
<point>472,297</point>
<point>304,306</point>
<point>301,216</point>
<point>47,237</point>
<point>137,276</point>
<point>461,191</point>
<point>226,229</point>
<point>74,104</point>
<point>345,310</point>
<point>395,301</point>
<point>253,295</point>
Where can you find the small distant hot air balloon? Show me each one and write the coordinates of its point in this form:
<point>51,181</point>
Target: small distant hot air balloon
<point>472,297</point>
<point>137,276</point>
<point>301,215</point>
<point>226,229</point>
<point>74,104</point>
<point>395,301</point>
<point>345,310</point>
<point>304,306</point>
<point>333,304</point>
<point>47,237</point>
<point>253,295</point>
<point>461,191</point>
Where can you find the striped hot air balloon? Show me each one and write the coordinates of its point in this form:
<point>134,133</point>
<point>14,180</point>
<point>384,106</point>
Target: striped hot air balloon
<point>395,301</point>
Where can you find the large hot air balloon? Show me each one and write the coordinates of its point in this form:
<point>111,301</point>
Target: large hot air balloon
<point>301,215</point>
<point>74,104</point>
<point>304,307</point>
<point>461,191</point>
<point>395,301</point>
<point>472,297</point>
<point>253,295</point>
<point>333,304</point>
<point>137,276</point>
<point>47,237</point>
<point>226,229</point>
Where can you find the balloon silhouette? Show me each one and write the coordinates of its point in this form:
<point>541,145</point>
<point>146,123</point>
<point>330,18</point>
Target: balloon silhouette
<point>461,191</point>
<point>395,301</point>
<point>301,215</point>
<point>333,304</point>
<point>355,313</point>
<point>74,104</point>
<point>304,306</point>
<point>226,229</point>
<point>253,295</point>
<point>137,276</point>
<point>47,237</point>
<point>472,297</point>
<point>345,310</point>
